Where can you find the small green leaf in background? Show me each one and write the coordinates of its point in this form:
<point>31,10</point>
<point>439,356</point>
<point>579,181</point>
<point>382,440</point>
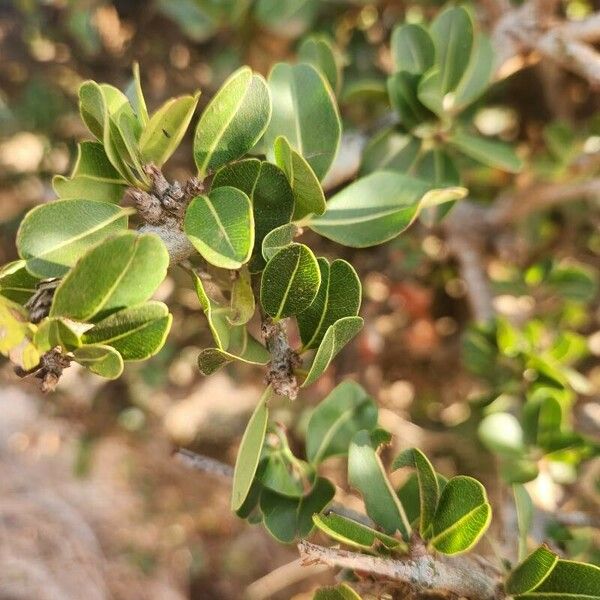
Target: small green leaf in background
<point>16,283</point>
<point>53,236</point>
<point>349,532</point>
<point>334,422</point>
<point>462,516</point>
<point>288,519</point>
<point>428,485</point>
<point>122,271</point>
<point>137,333</point>
<point>437,167</point>
<point>16,334</point>
<point>339,296</point>
<point>317,51</point>
<point>284,474</point>
<point>165,130</point>
<point>366,474</point>
<point>390,150</point>
<point>429,92</point>
<point>452,33</point>
<point>101,360</point>
<point>242,304</point>
<point>476,78</point>
<point>309,197</point>
<point>249,451</point>
<point>402,89</point>
<point>531,572</point>
<point>502,433</point>
<point>489,152</point>
<point>93,177</point>
<point>341,591</point>
<point>233,121</point>
<point>524,508</point>
<point>52,332</point>
<point>277,239</point>
<point>335,338</point>
<point>412,48</point>
<point>299,93</point>
<point>290,281</point>
<point>221,227</point>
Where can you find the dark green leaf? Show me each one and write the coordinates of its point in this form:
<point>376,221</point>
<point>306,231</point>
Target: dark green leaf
<point>402,89</point>
<point>530,573</point>
<point>16,283</point>
<point>390,150</point>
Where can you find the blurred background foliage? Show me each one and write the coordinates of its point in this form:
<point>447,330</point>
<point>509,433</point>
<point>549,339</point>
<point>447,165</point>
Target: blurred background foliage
<point>443,384</point>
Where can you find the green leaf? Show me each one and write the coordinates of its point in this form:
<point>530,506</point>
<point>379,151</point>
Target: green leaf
<point>309,197</point>
<point>462,516</point>
<point>53,236</point>
<point>242,347</point>
<point>249,452</point>
<point>16,283</point>
<point>350,533</point>
<point>287,476</point>
<point>338,592</point>
<point>402,89</point>
<point>15,335</point>
<point>93,163</point>
<point>242,303</point>
<point>452,33</point>
<point>489,152</point>
<point>290,281</point>
<point>166,129</point>
<point>437,167</point>
<point>299,93</point>
<point>121,271</point>
<point>137,333</point>
<point>502,433</point>
<point>412,48</point>
<point>477,77</point>
<point>568,579</point>
<point>530,573</point>
<point>233,121</point>
<point>366,474</point>
<point>277,239</point>
<point>136,97</point>
<point>376,208</point>
<point>339,296</point>
<point>524,508</point>
<point>52,332</point>
<point>221,227</point>
<point>335,338</point>
<point>334,422</point>
<point>430,94</point>
<point>287,519</point>
<point>410,496</point>
<point>390,150</point>
<point>93,105</point>
<point>429,490</point>
<point>102,360</point>
<point>317,51</point>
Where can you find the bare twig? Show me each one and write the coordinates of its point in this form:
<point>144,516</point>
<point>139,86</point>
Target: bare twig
<point>206,464</point>
<point>427,573</point>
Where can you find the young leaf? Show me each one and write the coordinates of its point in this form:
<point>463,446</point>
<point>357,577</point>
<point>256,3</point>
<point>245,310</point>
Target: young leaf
<point>430,94</point>
<point>476,78</point>
<point>16,334</point>
<point>165,130</point>
<point>136,97</point>
<point>221,227</point>
<point>290,518</point>
<point>137,333</point>
<point>429,491</point>
<point>95,101</point>
<point>309,197</point>
<point>317,51</point>
<point>524,508</point>
<point>366,474</point>
<point>277,239</point>
<point>299,93</point>
<point>102,360</point>
<point>350,533</point>
<point>335,338</point>
<point>402,89</point>
<point>249,452</point>
<point>338,592</point>
<point>452,33</point>
<point>339,296</point>
<point>290,281</point>
<point>52,332</point>
<point>489,152</point>
<point>412,49</point>
<point>284,476</point>
<point>334,422</point>
<point>390,150</point>
<point>242,303</point>
<point>530,573</point>
<point>233,121</point>
<point>53,236</point>
<point>16,283</point>
<point>374,209</point>
<point>122,271</point>
<point>463,514</point>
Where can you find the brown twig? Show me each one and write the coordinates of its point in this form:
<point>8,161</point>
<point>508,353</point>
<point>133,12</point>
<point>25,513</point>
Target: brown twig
<point>206,464</point>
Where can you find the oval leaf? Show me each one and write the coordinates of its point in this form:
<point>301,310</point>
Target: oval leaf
<point>489,152</point>
<point>531,572</point>
<point>390,150</point>
<point>101,360</point>
<point>317,51</point>
<point>412,48</point>
<point>16,283</point>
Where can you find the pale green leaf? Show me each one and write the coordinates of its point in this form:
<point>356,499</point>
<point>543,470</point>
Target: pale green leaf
<point>101,360</point>
<point>502,433</point>
<point>341,591</point>
<point>136,96</point>
<point>390,150</point>
<point>52,332</point>
<point>242,302</point>
<point>493,153</point>
<point>524,508</point>
<point>16,334</point>
<point>318,51</point>
<point>277,239</point>
<point>412,48</point>
<point>478,74</point>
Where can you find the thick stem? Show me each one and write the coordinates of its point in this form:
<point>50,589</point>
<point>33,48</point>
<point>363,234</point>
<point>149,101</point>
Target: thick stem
<point>280,371</point>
